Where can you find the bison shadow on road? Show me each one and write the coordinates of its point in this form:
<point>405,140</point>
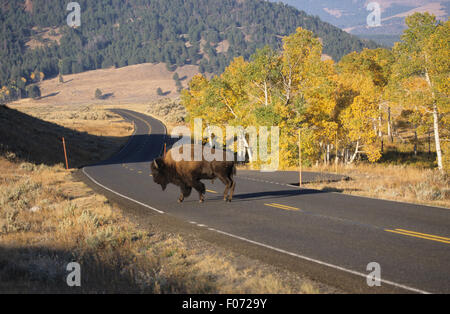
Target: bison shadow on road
<point>269,195</point>
<point>274,194</point>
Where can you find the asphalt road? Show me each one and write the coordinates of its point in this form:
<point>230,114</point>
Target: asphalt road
<point>340,234</point>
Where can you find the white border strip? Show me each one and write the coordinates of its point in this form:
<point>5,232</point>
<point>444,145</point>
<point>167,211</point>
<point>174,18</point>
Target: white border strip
<point>121,195</point>
<point>319,262</point>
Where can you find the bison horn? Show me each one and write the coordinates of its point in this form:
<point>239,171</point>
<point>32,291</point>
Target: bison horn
<point>155,164</point>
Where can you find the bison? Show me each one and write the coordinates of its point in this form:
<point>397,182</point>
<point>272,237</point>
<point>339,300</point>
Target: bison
<point>187,174</point>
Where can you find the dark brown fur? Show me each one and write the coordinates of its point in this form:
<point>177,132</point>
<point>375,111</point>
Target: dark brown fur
<point>187,174</point>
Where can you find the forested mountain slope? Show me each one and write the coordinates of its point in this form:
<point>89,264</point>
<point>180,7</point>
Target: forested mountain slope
<point>34,35</point>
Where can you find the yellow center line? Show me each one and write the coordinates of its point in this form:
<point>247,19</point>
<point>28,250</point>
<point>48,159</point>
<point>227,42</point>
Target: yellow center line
<point>210,191</point>
<point>425,234</point>
<point>142,120</point>
<point>420,235</point>
<point>280,206</point>
<point>140,172</point>
<point>149,129</point>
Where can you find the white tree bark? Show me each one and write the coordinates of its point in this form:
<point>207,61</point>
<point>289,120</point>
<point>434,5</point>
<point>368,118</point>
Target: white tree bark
<point>266,94</point>
<point>355,154</point>
<point>437,138</point>
<point>389,126</point>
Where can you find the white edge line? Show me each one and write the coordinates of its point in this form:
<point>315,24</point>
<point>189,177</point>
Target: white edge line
<point>268,246</point>
<point>121,195</point>
<point>319,262</point>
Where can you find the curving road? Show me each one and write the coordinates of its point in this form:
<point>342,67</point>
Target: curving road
<point>330,234</point>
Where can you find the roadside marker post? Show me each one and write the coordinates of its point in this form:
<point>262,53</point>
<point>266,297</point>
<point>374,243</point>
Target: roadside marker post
<point>165,149</point>
<point>65,153</point>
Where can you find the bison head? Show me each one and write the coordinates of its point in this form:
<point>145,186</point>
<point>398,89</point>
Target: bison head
<point>159,173</point>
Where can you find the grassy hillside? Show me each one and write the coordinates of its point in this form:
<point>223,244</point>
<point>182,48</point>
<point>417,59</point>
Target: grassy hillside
<point>30,139</point>
<point>127,85</point>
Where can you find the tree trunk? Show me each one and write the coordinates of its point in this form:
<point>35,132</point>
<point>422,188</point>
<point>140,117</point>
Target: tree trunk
<point>380,124</point>
<point>287,82</point>
<point>210,140</point>
<point>429,143</point>
<point>390,133</point>
<point>436,125</point>
<point>355,154</point>
<point>328,154</point>
<point>266,94</point>
<point>288,91</point>
<point>249,150</point>
<point>437,138</point>
<point>380,129</point>
<point>415,143</point>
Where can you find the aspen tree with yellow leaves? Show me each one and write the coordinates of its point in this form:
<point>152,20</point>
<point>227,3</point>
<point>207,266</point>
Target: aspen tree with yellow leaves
<point>346,105</point>
<point>364,77</point>
<point>422,72</point>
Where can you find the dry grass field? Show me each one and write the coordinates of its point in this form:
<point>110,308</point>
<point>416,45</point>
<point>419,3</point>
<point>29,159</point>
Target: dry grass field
<point>34,133</point>
<point>136,84</point>
<point>48,219</point>
<point>391,182</point>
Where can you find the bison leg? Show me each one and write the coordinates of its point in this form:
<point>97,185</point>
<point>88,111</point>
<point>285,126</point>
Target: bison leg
<point>185,192</point>
<point>228,185</point>
<point>233,185</point>
<point>201,189</point>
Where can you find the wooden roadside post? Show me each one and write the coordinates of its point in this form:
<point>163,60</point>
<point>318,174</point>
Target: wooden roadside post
<point>300,184</point>
<point>65,153</point>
